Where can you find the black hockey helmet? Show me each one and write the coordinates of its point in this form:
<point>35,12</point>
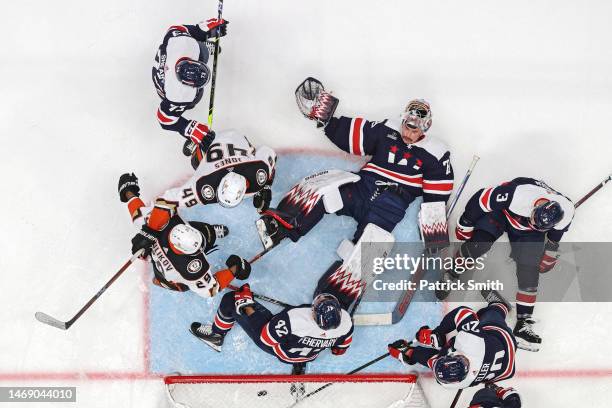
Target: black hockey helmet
<point>452,368</point>
<point>326,311</point>
<point>192,73</point>
<point>546,215</point>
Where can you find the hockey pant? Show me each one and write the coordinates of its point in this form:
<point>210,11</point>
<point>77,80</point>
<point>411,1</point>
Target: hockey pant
<point>252,325</point>
<point>527,248</point>
<point>364,201</point>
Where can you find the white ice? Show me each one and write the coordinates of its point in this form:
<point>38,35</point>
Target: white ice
<point>524,84</point>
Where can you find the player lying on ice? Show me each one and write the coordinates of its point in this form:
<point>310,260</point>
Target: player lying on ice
<point>295,336</point>
<point>482,351</point>
<point>405,163</point>
<point>179,75</point>
<point>535,217</point>
<point>178,248</point>
<point>230,170</point>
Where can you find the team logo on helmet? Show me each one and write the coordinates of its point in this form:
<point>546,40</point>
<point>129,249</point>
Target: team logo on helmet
<point>208,192</point>
<point>261,177</point>
<point>194,266</point>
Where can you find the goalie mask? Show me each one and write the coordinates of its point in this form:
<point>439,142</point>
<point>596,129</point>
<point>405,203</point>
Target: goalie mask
<point>231,189</point>
<point>417,115</point>
<point>185,240</point>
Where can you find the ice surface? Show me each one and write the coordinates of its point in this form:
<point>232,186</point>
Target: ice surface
<point>524,84</point>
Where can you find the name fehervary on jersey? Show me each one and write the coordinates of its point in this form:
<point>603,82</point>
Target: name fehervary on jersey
<point>317,343</point>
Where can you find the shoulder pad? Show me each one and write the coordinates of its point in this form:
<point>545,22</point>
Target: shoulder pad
<point>433,146</point>
<point>393,124</point>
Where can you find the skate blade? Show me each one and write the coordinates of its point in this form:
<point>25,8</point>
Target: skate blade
<point>524,345</point>
<point>209,344</point>
<point>266,241</point>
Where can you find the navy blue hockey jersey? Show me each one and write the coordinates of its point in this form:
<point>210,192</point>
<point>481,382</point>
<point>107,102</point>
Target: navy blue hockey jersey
<point>180,41</point>
<point>516,200</point>
<point>422,168</point>
<point>294,336</point>
<point>489,347</point>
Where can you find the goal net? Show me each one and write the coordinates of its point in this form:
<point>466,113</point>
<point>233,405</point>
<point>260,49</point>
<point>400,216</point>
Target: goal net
<point>305,391</point>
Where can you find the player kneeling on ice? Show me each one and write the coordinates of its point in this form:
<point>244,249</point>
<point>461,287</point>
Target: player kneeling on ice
<point>482,351</point>
<point>179,75</point>
<point>178,248</point>
<point>535,217</point>
<point>296,335</point>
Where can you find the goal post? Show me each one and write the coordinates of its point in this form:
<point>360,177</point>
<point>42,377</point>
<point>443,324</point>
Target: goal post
<point>288,391</point>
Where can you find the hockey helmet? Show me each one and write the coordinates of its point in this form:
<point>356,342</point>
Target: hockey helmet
<point>451,368</point>
<point>326,311</point>
<point>231,190</point>
<point>192,72</point>
<point>417,115</point>
<point>546,215</point>
<point>184,239</point>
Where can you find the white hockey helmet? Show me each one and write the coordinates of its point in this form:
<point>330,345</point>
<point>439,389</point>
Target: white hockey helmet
<point>231,189</point>
<point>417,114</point>
<point>184,239</point>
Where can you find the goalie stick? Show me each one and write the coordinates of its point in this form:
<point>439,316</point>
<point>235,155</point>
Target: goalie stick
<point>213,81</point>
<point>52,321</point>
<point>377,319</point>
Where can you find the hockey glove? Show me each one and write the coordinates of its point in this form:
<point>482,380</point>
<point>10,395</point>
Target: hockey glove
<point>200,134</point>
<point>243,297</point>
<point>240,266</point>
<point>464,229</point>
<point>261,199</point>
<point>144,240</point>
<point>429,338</point>
<point>401,350</point>
<point>314,102</point>
<point>213,27</point>
<point>509,395</point>
<point>550,257</point>
<point>337,351</point>
<point>128,183</point>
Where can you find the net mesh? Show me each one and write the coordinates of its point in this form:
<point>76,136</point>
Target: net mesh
<point>368,391</point>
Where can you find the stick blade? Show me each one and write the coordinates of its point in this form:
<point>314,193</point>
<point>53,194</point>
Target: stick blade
<point>51,321</point>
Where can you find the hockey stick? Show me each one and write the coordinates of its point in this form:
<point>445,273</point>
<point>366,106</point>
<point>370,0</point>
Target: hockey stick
<point>456,399</point>
<point>321,388</point>
<point>213,81</point>
<point>264,298</point>
<point>377,319</point>
<point>593,191</point>
<point>52,321</point>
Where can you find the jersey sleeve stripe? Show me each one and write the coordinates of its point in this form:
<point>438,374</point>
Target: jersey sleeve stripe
<point>485,200</point>
<point>511,348</point>
<point>437,187</point>
<point>464,313</point>
<point>269,341</point>
<point>165,119</point>
<point>414,181</point>
<point>432,360</point>
<point>515,223</point>
<point>346,342</point>
<point>502,307</point>
<point>178,27</point>
<point>356,136</point>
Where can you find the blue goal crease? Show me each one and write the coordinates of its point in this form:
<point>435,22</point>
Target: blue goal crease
<point>288,273</point>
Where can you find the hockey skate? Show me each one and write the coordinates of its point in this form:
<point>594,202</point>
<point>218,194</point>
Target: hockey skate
<point>272,229</point>
<point>493,296</point>
<point>443,285</point>
<point>204,332</point>
<point>526,338</point>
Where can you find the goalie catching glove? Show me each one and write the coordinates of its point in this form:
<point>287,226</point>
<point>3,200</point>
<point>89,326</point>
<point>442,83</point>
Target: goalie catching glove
<point>314,102</point>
